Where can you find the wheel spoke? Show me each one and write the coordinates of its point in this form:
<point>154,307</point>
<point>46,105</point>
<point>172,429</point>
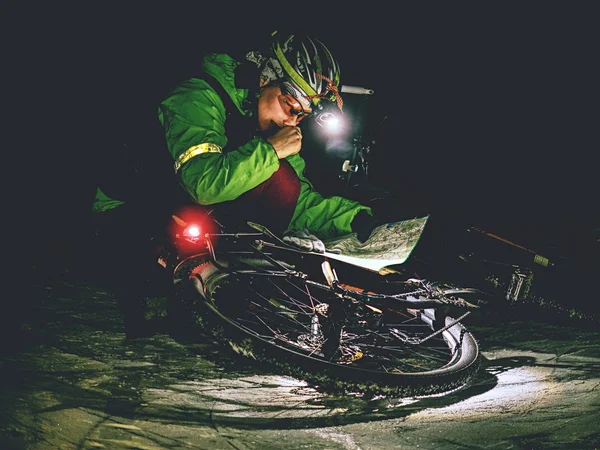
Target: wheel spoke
<point>288,312</point>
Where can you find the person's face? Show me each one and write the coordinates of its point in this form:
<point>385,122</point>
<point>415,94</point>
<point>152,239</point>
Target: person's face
<point>277,110</point>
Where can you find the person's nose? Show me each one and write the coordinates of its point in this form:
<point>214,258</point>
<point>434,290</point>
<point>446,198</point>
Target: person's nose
<point>292,121</point>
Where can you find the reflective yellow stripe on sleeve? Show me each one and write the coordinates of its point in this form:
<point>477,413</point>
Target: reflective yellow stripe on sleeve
<point>196,150</point>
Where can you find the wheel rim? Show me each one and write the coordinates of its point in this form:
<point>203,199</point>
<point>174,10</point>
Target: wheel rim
<point>286,312</point>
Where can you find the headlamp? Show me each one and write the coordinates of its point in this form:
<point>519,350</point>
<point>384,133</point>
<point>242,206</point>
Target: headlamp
<point>328,118</point>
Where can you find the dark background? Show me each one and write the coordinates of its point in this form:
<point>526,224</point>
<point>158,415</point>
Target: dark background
<point>484,113</point>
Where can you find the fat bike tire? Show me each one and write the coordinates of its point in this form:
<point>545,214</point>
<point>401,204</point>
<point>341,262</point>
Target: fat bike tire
<point>271,317</point>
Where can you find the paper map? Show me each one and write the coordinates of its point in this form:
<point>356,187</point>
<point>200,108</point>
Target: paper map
<point>388,244</point>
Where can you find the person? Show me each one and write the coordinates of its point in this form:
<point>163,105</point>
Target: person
<point>234,136</point>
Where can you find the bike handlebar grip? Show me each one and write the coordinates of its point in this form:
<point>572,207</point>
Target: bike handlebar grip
<point>356,90</point>
<point>346,166</point>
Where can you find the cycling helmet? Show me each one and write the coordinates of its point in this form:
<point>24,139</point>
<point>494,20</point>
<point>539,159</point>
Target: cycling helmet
<point>303,64</point>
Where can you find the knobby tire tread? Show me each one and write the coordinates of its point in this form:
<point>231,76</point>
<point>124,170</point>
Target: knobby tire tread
<point>331,377</point>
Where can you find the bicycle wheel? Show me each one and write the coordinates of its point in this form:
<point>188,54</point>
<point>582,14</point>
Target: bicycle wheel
<point>380,347</point>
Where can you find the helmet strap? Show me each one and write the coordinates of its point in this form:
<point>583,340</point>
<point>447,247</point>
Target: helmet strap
<point>331,87</point>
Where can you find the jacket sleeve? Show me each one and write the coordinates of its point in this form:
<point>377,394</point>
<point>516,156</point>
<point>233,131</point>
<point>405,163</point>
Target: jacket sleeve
<point>194,114</point>
<point>326,217</point>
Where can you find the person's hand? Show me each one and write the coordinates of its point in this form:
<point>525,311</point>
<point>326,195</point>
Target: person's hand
<point>286,141</point>
<point>304,240</point>
<point>363,225</point>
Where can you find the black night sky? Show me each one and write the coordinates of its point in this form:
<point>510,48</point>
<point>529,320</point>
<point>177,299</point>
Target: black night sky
<point>483,111</point>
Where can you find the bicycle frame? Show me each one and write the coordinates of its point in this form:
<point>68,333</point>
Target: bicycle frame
<point>292,304</point>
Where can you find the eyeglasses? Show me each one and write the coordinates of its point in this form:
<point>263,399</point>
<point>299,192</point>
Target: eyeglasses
<point>295,108</point>
<point>292,98</point>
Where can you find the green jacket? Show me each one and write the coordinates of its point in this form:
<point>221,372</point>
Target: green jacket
<point>193,117</point>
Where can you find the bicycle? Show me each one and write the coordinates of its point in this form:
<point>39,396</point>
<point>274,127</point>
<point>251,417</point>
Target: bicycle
<point>383,333</point>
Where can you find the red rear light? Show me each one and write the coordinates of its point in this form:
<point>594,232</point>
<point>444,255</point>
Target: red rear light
<point>192,231</point>
<point>189,229</point>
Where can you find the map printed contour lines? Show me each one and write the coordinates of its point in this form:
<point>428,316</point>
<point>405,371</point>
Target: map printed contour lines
<point>389,244</point>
